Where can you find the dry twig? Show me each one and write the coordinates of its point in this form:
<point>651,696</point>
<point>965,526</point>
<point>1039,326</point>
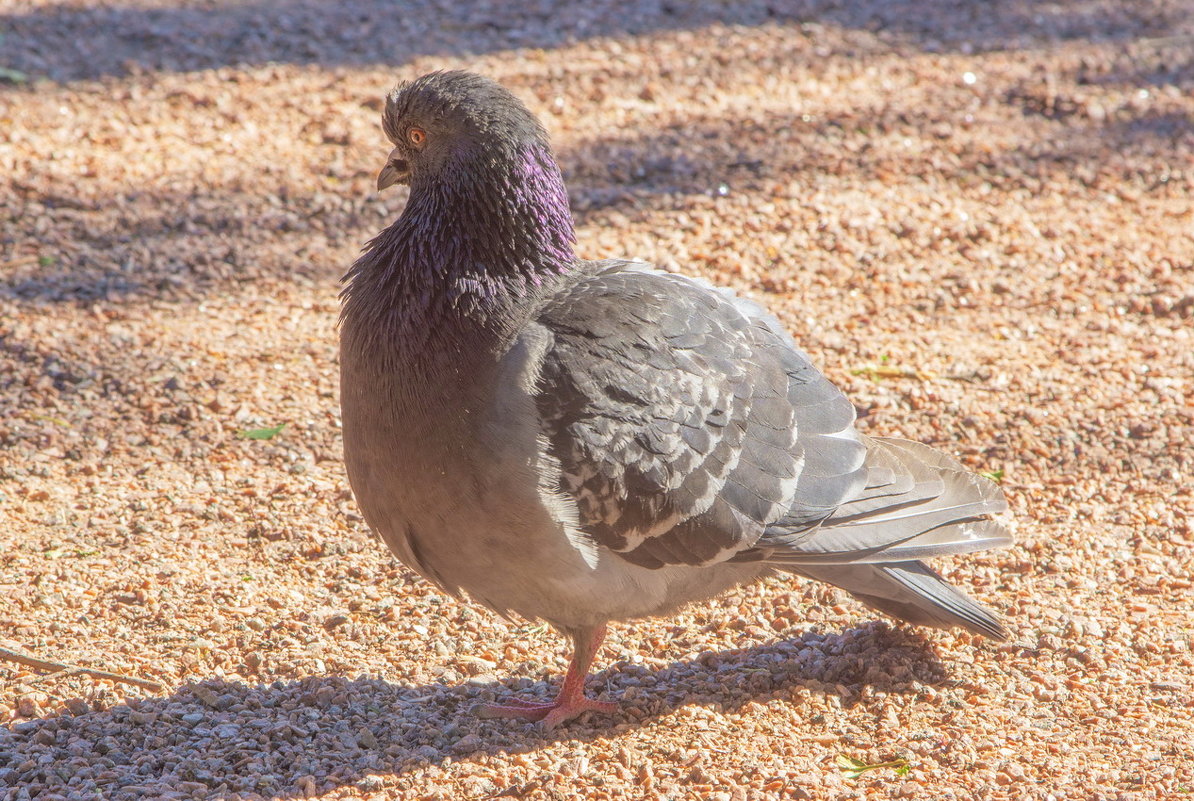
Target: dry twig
<point>10,655</point>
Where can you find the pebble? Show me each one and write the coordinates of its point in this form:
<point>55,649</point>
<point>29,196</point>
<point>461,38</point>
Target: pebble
<point>371,783</point>
<point>226,731</point>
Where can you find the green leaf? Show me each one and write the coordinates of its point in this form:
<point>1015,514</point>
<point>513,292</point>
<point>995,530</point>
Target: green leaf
<point>262,433</point>
<point>853,768</point>
<point>885,370</point>
<point>13,76</point>
<point>994,475</point>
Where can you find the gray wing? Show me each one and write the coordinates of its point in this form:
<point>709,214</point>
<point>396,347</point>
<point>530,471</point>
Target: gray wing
<point>686,422</point>
<point>690,430</point>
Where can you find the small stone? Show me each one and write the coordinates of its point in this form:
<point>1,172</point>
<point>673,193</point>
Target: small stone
<point>107,745</point>
<point>26,726</point>
<point>28,706</point>
<point>206,695</point>
<point>226,731</point>
<point>371,783</point>
<point>366,739</point>
<point>467,744</point>
<point>476,665</point>
<point>481,680</point>
<point>193,718</point>
<point>77,706</point>
<point>307,786</point>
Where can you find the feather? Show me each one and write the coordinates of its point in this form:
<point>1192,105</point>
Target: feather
<point>912,592</point>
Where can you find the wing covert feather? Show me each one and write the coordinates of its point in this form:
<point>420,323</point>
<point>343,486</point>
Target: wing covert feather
<point>683,420</point>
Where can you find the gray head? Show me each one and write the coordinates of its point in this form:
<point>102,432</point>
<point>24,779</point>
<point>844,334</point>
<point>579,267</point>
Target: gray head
<point>447,120</point>
<point>487,223</point>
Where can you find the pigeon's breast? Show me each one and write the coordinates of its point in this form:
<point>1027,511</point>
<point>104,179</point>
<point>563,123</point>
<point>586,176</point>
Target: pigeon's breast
<point>450,466</point>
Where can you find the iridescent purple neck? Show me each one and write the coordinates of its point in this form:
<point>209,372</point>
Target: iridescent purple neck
<point>474,248</point>
<point>537,195</point>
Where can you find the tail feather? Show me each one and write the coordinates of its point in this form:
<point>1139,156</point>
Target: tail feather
<point>968,535</point>
<point>917,503</point>
<point>910,591</point>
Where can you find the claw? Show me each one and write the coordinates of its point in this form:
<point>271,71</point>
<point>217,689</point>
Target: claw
<point>566,712</point>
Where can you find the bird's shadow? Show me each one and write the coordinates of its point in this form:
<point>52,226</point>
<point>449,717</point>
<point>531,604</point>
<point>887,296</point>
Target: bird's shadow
<point>287,739</point>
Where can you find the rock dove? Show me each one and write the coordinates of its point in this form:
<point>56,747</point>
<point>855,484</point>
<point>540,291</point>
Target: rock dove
<point>582,442</point>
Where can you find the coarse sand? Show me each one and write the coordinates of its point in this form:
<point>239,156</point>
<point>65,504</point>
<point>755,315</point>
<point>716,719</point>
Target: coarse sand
<point>977,217</point>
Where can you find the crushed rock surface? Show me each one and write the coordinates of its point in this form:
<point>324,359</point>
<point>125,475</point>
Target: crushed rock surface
<point>978,218</point>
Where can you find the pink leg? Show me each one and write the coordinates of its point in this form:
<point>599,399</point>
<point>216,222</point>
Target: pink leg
<point>571,700</point>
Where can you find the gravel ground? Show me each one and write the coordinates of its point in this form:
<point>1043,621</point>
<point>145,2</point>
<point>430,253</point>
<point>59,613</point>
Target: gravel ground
<point>977,216</point>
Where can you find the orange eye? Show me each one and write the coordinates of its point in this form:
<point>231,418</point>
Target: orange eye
<point>417,136</point>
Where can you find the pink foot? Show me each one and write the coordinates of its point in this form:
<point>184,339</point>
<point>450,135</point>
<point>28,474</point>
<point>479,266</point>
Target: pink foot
<point>571,702</point>
<point>552,714</point>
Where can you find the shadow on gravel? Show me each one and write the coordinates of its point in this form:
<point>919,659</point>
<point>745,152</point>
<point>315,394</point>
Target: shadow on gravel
<point>82,41</point>
<point>183,243</point>
<point>188,242</point>
<point>288,739</point>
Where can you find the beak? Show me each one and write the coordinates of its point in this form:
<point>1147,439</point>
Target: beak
<point>396,171</point>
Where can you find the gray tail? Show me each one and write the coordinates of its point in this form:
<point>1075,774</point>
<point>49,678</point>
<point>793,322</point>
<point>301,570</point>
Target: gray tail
<point>917,504</point>
<point>910,591</point>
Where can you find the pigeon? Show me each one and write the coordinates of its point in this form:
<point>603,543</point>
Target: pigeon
<point>580,442</point>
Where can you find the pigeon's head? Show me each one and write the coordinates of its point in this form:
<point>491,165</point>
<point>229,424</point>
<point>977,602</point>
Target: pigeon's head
<point>447,120</point>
